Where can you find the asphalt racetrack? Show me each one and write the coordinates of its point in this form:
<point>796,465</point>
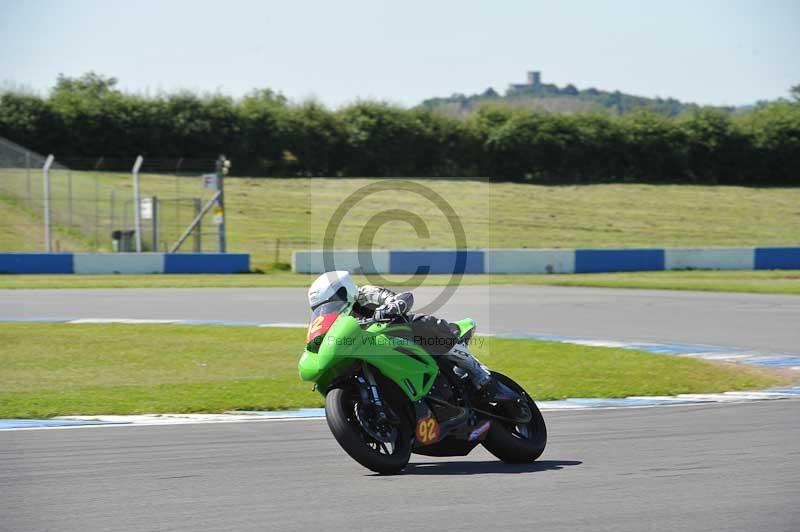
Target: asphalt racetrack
<point>721,467</point>
<point>769,323</point>
<point>715,467</point>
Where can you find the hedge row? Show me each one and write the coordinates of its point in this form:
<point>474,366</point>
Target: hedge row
<point>264,135</point>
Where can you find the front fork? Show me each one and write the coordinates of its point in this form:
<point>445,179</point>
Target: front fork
<point>368,388</point>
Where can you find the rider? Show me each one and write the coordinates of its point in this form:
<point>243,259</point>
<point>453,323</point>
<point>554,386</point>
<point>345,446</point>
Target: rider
<point>436,336</point>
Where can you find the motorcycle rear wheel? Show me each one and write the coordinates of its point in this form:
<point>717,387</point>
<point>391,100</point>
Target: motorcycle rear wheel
<point>341,412</point>
<point>517,443</point>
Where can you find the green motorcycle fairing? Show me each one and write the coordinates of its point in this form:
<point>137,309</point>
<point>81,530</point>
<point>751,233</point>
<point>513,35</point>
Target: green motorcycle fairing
<point>465,326</point>
<point>397,358</point>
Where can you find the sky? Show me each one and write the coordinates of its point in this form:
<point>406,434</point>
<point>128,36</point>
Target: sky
<point>720,52</point>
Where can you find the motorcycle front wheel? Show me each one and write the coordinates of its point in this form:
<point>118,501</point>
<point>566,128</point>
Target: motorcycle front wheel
<point>361,438</point>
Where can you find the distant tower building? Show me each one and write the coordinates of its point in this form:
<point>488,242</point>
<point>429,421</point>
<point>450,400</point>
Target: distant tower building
<point>534,80</point>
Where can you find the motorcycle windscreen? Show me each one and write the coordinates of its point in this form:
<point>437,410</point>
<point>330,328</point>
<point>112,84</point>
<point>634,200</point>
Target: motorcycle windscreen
<point>322,319</point>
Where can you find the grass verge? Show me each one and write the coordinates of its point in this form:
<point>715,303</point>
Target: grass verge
<point>59,369</point>
<point>762,281</point>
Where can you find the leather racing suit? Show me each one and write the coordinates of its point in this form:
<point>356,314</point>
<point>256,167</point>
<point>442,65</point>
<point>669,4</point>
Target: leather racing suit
<point>436,336</point>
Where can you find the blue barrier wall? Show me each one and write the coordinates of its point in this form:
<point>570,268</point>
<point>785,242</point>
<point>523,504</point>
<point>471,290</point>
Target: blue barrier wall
<point>206,263</point>
<point>35,262</point>
<point>110,263</point>
<point>618,260</point>
<point>778,258</point>
<point>436,261</point>
<point>553,260</point>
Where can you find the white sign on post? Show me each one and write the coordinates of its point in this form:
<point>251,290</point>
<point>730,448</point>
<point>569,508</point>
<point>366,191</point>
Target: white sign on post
<point>210,181</point>
<point>146,208</point>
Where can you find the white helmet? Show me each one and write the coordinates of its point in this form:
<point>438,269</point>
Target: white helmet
<point>332,286</point>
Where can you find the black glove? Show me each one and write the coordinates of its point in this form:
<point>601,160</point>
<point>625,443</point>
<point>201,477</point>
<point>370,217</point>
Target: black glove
<point>391,309</point>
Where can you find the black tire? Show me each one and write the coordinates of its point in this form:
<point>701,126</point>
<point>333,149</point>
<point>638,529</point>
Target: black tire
<point>363,448</point>
<point>517,444</point>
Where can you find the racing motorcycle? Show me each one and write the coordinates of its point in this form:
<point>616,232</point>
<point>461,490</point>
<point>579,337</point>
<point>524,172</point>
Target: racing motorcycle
<point>386,397</point>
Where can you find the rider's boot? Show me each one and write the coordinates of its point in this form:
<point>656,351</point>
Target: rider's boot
<point>491,389</point>
<point>468,366</point>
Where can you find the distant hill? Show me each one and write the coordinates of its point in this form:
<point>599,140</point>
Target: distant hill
<point>568,99</point>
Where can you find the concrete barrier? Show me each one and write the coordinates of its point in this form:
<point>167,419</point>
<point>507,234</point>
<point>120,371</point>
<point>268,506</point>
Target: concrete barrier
<point>124,263</point>
<point>130,263</point>
<point>511,261</point>
<point>529,261</point>
<point>374,261</point>
<point>709,259</point>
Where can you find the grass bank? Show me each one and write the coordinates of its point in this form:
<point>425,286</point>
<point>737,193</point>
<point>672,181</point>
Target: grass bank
<point>269,217</point>
<point>22,229</point>
<point>58,369</point>
<point>766,282</point>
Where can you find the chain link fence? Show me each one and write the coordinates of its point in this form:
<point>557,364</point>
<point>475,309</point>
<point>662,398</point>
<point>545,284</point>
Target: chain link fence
<point>92,203</point>
<point>278,251</point>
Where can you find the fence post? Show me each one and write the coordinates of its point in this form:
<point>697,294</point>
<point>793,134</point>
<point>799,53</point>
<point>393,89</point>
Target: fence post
<point>194,224</point>
<point>198,243</point>
<point>69,198</point>
<point>111,199</point>
<point>28,199</point>
<point>137,215</point>
<point>96,210</point>
<point>222,168</point>
<point>48,243</point>
<point>154,203</point>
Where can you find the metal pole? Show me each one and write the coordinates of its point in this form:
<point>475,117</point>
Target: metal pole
<point>137,216</point>
<point>48,244</point>
<point>154,203</point>
<point>177,201</point>
<point>28,174</point>
<point>124,220</point>
<point>194,223</point>
<point>96,209</point>
<point>69,198</point>
<point>111,229</point>
<point>198,244</point>
<point>222,168</point>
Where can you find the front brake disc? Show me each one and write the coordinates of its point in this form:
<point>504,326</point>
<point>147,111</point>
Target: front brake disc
<point>382,431</point>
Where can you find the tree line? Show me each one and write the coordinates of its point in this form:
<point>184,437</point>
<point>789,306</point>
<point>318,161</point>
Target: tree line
<point>550,96</point>
<point>265,135</point>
